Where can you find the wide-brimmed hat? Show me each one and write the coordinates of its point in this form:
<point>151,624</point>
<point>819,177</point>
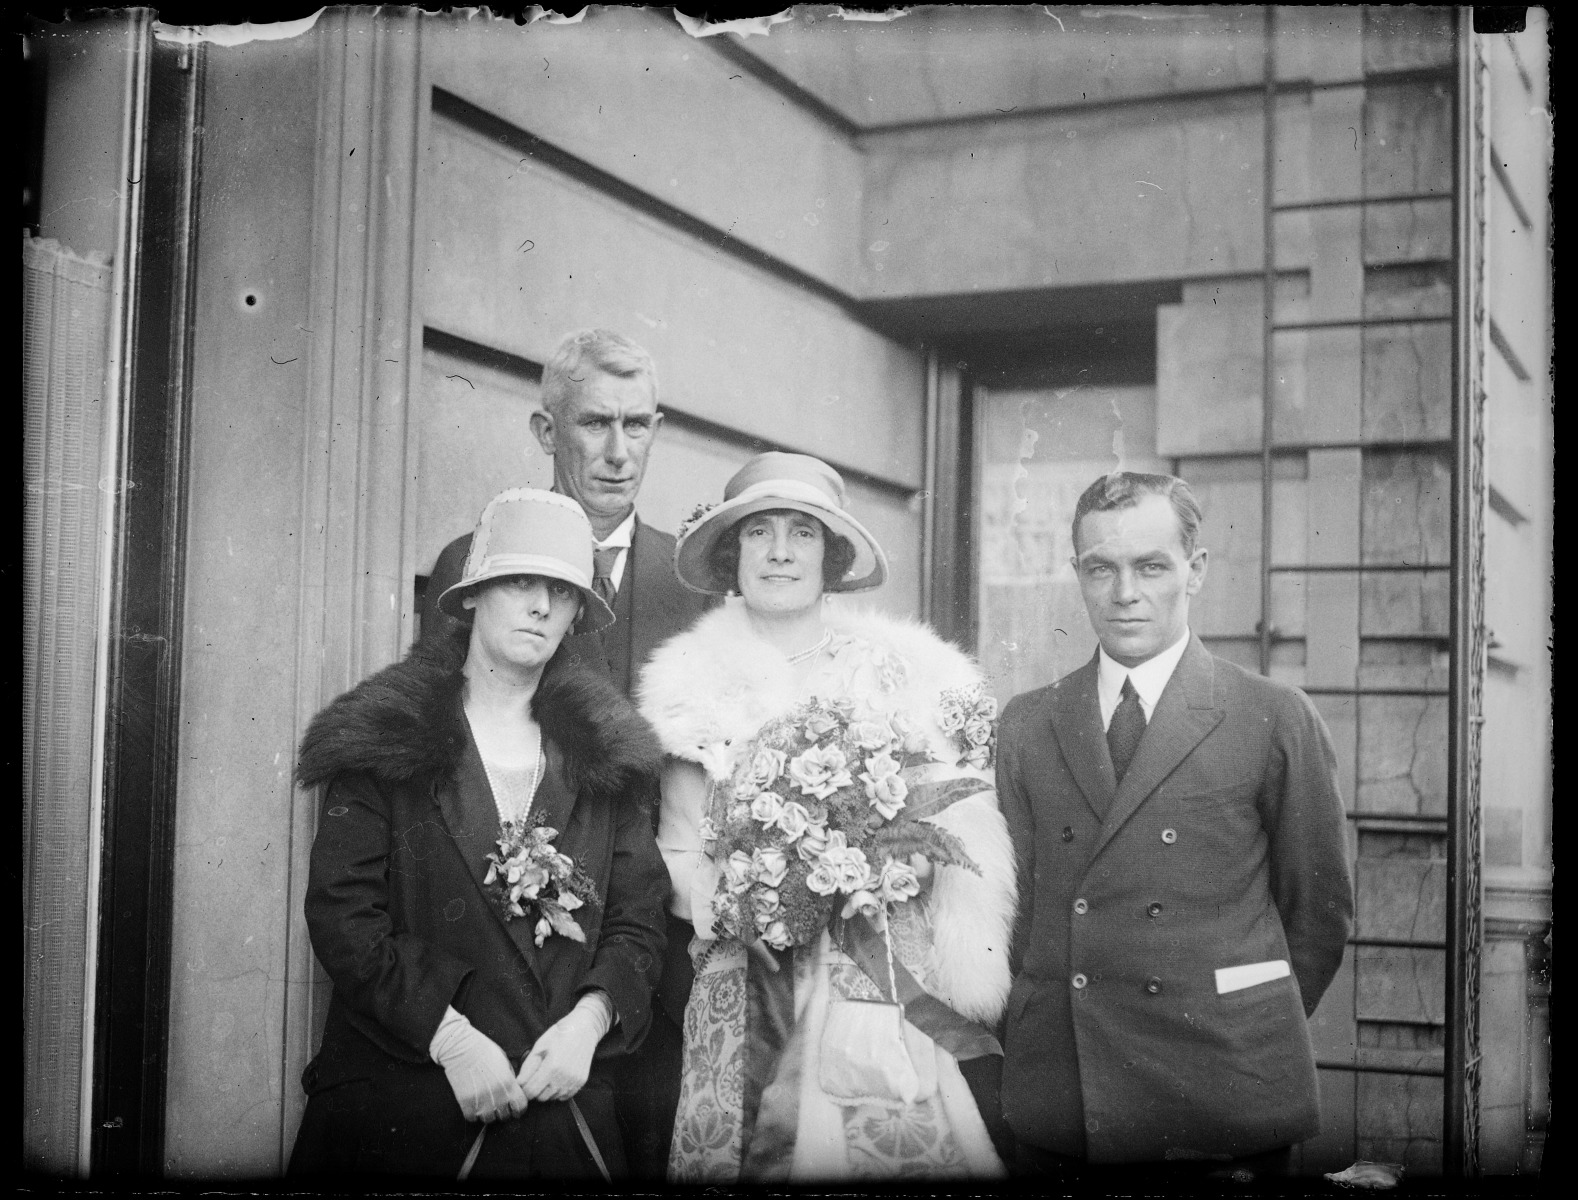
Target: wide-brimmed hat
<point>771,481</point>
<point>527,531</point>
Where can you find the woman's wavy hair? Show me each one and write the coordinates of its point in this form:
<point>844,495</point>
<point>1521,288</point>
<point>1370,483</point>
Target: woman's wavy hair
<point>723,562</point>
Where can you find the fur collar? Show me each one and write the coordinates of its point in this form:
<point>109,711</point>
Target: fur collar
<point>405,724</point>
<point>717,684</point>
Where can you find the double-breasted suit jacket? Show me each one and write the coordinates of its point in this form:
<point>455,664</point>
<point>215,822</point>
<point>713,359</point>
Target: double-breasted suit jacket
<point>650,606</point>
<point>405,926</point>
<point>1223,846</point>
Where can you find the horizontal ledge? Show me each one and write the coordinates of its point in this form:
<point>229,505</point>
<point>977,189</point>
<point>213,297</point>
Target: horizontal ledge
<point>1282,87</point>
<point>1447,73</point>
<point>1361,201</point>
<point>1376,1069</point>
<point>1357,323</point>
<point>1084,108</point>
<point>1287,449</point>
<point>707,427</point>
<point>1397,943</point>
<point>764,72</point>
<point>1398,818</point>
<point>1422,693</point>
<point>531,371</point>
<point>483,355</point>
<point>495,128</point>
<point>1358,569</point>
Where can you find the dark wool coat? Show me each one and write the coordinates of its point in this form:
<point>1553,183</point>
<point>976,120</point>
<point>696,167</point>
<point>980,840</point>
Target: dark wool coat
<point>401,921</point>
<point>651,606</point>
<point>1224,845</point>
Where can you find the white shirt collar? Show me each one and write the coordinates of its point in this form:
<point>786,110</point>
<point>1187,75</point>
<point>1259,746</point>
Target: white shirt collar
<point>619,539</point>
<point>1150,679</point>
<point>621,535</point>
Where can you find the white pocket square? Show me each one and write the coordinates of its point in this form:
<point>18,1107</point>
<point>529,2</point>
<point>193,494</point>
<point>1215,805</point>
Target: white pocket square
<point>1236,979</point>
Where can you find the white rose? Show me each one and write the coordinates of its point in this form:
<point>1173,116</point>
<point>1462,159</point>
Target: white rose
<point>822,880</point>
<point>767,807</point>
<point>866,904</point>
<point>769,865</point>
<point>812,843</point>
<point>871,735</point>
<point>737,871</point>
<point>793,819</point>
<point>777,936</point>
<point>898,882</point>
<point>767,765</point>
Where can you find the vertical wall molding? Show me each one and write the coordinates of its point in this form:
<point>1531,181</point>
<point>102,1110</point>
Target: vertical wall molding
<point>123,293</point>
<point>356,535</point>
<point>1464,916</point>
<point>948,552</point>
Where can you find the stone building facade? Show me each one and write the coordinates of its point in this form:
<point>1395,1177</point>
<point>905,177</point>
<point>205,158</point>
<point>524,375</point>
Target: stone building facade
<point>974,257</point>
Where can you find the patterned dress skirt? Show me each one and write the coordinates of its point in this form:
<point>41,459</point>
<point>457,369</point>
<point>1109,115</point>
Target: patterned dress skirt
<point>790,1129</point>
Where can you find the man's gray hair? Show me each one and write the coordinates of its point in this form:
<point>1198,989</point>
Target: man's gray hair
<point>1125,489</point>
<point>587,350</point>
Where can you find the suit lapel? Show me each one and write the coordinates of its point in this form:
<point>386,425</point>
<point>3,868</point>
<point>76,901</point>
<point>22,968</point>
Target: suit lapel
<point>552,807</point>
<point>1184,715</point>
<point>619,637</point>
<point>1076,720</point>
<point>473,820</point>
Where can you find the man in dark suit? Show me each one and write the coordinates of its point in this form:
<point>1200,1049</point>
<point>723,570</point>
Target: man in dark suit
<point>1184,886</point>
<point>598,421</point>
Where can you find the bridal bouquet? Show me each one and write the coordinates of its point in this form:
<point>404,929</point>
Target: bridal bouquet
<point>529,877</point>
<point>815,812</point>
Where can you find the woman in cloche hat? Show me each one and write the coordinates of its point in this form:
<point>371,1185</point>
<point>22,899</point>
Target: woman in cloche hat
<point>485,893</point>
<point>764,801</point>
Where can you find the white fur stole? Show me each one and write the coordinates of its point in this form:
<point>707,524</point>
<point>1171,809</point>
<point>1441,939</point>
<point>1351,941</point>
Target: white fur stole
<point>709,690</point>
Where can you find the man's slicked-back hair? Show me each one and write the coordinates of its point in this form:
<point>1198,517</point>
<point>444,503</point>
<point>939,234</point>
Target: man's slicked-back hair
<point>1125,489</point>
<point>587,350</point>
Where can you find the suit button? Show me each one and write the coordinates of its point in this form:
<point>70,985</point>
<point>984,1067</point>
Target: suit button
<point>1081,906</point>
<point>1154,909</point>
<point>1153,985</point>
<point>1079,982</point>
<point>1169,836</point>
<point>1068,833</point>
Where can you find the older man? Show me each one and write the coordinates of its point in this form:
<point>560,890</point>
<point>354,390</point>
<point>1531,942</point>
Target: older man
<point>1184,885</point>
<point>598,421</point>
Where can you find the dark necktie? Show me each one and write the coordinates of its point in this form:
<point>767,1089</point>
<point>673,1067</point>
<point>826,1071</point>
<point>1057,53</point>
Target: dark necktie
<point>603,572</point>
<point>1126,728</point>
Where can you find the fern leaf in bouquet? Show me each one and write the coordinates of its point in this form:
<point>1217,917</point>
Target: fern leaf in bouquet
<point>903,838</point>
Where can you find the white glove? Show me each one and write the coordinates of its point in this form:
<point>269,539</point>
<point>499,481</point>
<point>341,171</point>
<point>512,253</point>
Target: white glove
<point>479,1072</point>
<point>557,1067</point>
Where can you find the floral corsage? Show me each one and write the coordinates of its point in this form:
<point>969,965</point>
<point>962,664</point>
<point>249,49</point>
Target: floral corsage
<point>969,716</point>
<point>530,878</point>
<point>697,515</point>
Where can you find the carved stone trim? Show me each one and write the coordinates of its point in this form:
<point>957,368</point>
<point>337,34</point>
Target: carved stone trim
<point>363,368</point>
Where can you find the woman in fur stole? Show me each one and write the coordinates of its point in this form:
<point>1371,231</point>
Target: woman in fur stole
<point>769,1092</point>
<point>475,1001</point>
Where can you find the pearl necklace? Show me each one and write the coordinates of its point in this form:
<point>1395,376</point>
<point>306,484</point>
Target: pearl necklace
<point>518,812</point>
<point>810,652</point>
<point>536,771</point>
